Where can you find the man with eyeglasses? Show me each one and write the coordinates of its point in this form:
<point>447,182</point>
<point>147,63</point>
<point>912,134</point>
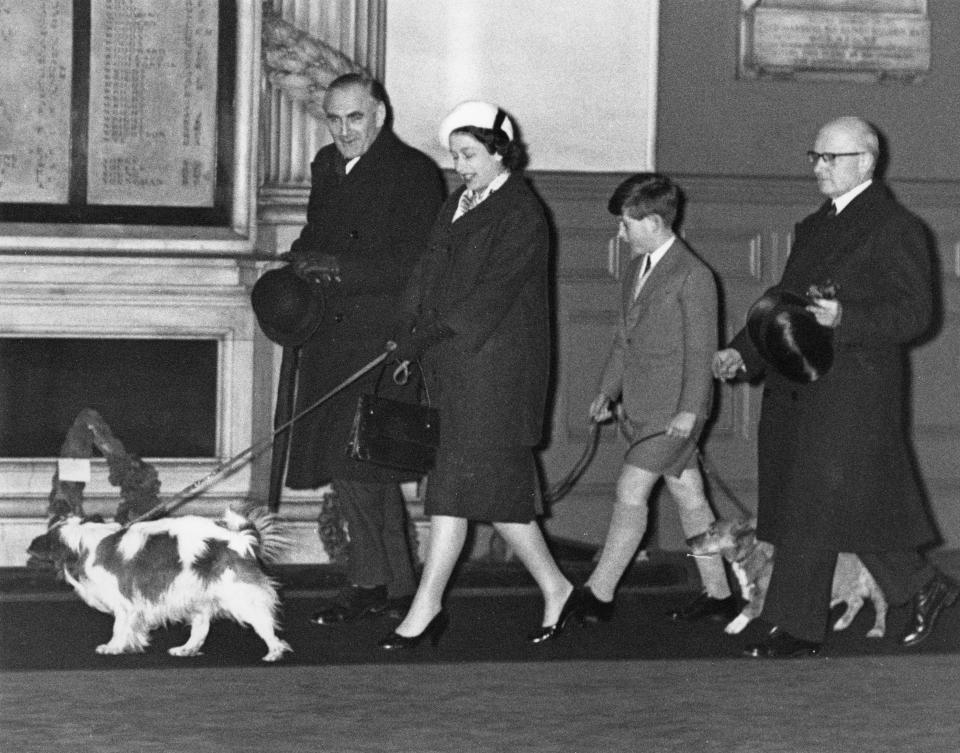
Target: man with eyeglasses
<point>835,471</point>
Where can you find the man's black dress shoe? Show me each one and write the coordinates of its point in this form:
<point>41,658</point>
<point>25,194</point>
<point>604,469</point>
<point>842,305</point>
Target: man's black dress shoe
<point>706,607</point>
<point>570,608</point>
<point>592,609</point>
<point>933,598</point>
<point>781,645</point>
<point>352,603</point>
<point>393,641</point>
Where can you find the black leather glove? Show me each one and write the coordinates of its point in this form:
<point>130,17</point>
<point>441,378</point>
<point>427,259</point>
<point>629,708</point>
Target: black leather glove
<point>322,268</point>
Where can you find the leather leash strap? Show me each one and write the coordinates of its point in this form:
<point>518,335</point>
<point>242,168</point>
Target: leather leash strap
<point>255,449</point>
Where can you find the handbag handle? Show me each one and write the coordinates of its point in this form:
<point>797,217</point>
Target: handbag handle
<point>401,375</point>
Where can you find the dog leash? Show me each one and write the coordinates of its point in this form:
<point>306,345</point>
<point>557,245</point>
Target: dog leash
<point>559,490</point>
<point>253,450</point>
<point>711,472</point>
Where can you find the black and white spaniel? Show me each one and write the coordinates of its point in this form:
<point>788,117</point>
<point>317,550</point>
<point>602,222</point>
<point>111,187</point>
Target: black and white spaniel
<point>180,569</point>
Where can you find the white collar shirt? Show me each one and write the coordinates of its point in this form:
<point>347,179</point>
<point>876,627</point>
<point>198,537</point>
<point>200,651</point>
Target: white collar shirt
<point>841,201</point>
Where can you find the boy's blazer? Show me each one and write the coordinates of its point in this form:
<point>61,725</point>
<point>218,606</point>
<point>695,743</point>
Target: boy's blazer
<point>659,363</point>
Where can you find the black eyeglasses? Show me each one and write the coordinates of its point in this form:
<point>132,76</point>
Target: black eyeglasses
<point>828,157</point>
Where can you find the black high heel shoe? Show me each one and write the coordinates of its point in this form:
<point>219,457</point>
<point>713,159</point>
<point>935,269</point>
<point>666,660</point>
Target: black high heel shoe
<point>570,607</point>
<point>433,631</point>
<point>593,609</point>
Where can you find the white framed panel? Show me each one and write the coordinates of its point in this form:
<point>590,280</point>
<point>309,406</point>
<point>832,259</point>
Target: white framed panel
<point>580,78</point>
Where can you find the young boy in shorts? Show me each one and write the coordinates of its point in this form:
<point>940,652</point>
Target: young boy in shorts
<point>658,369</point>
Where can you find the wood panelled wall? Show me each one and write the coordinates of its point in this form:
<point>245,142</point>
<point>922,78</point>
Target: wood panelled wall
<point>742,227</point>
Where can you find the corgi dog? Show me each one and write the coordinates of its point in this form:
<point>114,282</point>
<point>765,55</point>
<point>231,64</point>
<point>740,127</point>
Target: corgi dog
<point>751,561</point>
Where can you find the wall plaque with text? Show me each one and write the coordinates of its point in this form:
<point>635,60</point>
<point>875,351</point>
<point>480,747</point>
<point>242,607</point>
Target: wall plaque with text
<point>118,112</point>
<point>840,44</point>
<point>153,106</point>
<point>35,88</point>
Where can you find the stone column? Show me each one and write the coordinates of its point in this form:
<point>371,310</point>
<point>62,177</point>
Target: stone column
<point>290,134</point>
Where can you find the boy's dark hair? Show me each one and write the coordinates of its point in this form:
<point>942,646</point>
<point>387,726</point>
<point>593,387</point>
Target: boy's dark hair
<point>645,194</point>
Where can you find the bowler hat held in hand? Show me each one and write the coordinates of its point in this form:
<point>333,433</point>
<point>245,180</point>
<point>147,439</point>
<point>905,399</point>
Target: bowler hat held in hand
<point>789,338</point>
<point>288,308</point>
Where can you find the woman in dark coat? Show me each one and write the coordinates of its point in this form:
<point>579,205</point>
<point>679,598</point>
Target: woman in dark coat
<point>478,316</point>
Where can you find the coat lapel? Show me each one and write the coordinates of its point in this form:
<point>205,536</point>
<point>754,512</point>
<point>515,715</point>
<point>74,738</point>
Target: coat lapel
<point>826,240</point>
<point>630,283</point>
<point>634,308</point>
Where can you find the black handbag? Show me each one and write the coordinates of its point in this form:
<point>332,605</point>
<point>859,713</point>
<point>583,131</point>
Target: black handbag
<point>393,433</point>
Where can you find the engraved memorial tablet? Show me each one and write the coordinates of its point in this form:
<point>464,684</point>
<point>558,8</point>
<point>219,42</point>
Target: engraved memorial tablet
<point>153,103</point>
<point>866,40</point>
<point>37,39</point>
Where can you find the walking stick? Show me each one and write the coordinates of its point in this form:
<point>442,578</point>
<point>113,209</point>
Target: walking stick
<point>286,396</point>
<point>233,463</point>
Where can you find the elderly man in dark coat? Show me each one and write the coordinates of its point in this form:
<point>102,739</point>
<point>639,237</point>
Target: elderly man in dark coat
<point>835,470</point>
<point>372,202</point>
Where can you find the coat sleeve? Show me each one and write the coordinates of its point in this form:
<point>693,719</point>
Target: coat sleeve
<point>755,366</point>
<point>425,268</point>
<point>379,253</point>
<point>611,376</point>
<point>698,310</point>
<point>321,181</point>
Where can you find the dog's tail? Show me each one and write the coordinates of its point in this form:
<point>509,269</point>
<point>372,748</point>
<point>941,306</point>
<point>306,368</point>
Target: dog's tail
<point>268,537</point>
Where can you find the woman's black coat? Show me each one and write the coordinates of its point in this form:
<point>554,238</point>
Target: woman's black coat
<point>485,277</point>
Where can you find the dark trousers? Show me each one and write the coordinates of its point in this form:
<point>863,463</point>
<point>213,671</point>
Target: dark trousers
<point>798,599</point>
<point>379,552</point>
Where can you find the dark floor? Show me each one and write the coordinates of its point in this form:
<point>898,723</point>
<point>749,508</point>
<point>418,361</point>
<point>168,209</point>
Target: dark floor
<point>640,683</point>
<point>661,570</point>
<point>492,606</point>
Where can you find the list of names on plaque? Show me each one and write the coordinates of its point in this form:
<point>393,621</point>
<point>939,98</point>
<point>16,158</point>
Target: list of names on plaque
<point>153,98</point>
<point>894,44</point>
<point>35,79</point>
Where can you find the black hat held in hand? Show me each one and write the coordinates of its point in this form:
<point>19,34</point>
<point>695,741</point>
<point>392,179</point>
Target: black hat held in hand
<point>788,337</point>
<point>288,308</point>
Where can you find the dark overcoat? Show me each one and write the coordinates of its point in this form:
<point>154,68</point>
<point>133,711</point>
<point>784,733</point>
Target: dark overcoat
<point>375,220</point>
<point>835,468</point>
<point>485,277</point>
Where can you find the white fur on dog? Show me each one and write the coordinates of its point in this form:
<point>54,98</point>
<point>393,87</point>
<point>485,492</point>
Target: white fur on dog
<point>185,569</point>
<point>752,563</point>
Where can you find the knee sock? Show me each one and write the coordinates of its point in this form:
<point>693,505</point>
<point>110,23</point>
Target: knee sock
<point>713,576</point>
<point>627,526</point>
